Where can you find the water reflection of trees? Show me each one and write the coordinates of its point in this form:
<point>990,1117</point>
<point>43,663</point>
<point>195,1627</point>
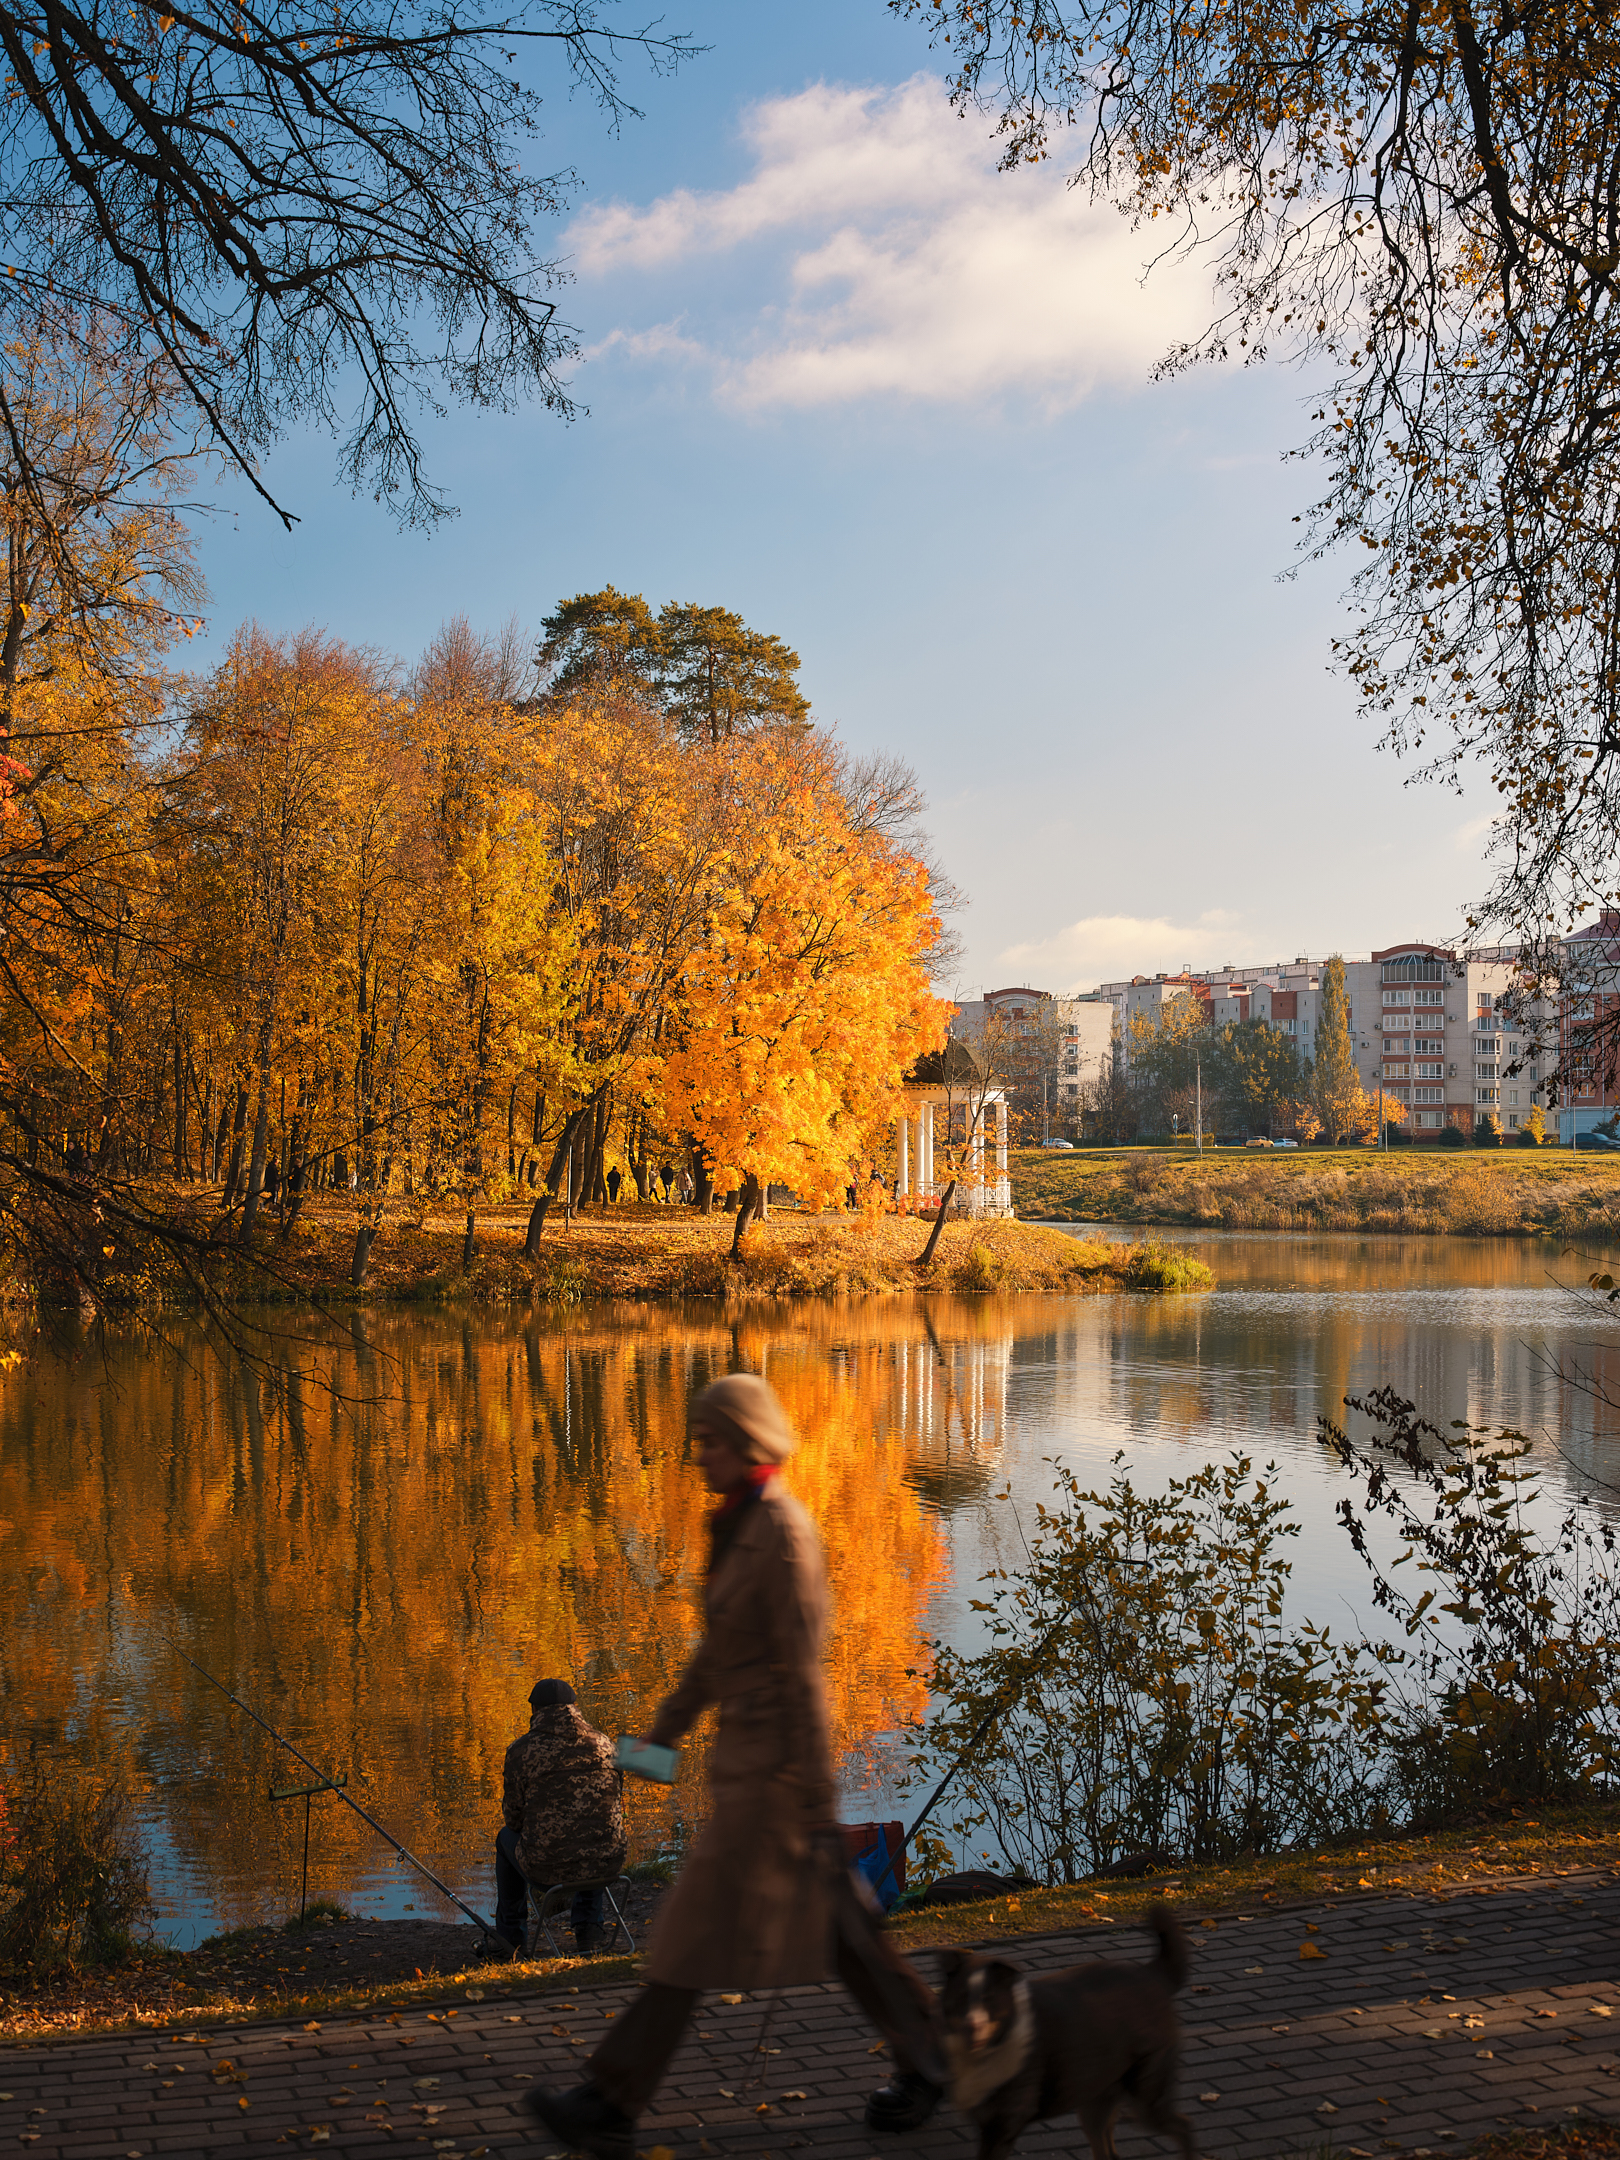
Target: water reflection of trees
<point>383,1542</point>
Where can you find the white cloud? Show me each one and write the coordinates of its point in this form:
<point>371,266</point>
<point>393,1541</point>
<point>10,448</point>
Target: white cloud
<point>1103,948</point>
<point>907,265</point>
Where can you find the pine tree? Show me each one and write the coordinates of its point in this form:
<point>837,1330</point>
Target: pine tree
<point>1336,1088</point>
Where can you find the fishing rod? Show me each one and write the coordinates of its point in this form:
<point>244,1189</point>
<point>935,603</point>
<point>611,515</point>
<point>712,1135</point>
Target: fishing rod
<point>282,1741</point>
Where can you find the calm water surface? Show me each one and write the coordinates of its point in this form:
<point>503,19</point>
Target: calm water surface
<point>383,1538</point>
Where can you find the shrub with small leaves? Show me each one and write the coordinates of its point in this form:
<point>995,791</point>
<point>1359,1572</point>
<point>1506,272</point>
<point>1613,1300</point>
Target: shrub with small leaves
<point>73,1879</point>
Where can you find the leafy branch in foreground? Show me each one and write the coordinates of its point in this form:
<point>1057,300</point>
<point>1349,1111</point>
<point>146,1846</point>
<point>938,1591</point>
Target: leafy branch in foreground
<point>1425,202</point>
<point>293,205</point>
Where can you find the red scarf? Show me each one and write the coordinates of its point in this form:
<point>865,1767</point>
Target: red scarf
<point>746,1488</point>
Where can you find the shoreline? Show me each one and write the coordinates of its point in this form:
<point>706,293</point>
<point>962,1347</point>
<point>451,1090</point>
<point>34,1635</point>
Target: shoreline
<point>1492,1851</point>
<point>1452,1192</point>
<point>638,1252</point>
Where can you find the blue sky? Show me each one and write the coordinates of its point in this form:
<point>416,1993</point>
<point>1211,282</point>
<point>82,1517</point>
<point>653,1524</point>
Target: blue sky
<point>895,407</point>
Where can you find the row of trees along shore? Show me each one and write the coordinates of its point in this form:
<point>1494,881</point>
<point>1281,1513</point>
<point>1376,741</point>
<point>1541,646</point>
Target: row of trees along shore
<point>464,931</point>
<point>1249,1076</point>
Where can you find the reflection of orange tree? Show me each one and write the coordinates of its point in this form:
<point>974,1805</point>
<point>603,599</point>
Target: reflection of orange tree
<point>385,1576</point>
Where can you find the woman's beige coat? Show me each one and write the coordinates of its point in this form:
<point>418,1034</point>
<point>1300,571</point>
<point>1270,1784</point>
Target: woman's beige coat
<point>752,1906</point>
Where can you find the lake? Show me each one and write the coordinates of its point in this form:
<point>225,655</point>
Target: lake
<point>381,1532</point>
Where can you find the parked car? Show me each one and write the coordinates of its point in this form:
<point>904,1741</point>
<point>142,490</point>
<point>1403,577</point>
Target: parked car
<point>1285,1143</point>
<point>1259,1140</point>
<point>1058,1143</point>
<point>1595,1139</point>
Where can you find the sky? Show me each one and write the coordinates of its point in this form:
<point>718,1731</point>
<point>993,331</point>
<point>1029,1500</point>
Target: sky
<point>843,377</point>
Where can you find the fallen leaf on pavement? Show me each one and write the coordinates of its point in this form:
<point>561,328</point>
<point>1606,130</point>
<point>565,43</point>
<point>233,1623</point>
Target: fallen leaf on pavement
<point>1311,1950</point>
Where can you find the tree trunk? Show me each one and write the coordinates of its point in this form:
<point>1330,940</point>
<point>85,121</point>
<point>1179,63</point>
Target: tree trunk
<point>468,1244</point>
<point>748,1201</point>
<point>703,1180</point>
<point>182,1158</point>
<point>361,1262</point>
<point>593,1184</point>
<point>537,1223</point>
<point>565,1141</point>
<point>233,1175</point>
<point>255,1179</point>
<point>945,1200</point>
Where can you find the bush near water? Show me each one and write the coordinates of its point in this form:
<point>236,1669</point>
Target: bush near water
<point>1146,1685</point>
<point>73,1878</point>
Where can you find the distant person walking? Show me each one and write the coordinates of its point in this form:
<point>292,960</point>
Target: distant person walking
<point>765,1898</point>
<point>666,1178</point>
<point>614,1180</point>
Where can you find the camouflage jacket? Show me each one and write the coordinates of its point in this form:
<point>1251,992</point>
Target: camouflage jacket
<point>564,1798</point>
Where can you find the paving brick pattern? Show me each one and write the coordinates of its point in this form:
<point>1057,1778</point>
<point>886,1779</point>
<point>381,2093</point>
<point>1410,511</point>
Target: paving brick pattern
<point>1420,2023</point>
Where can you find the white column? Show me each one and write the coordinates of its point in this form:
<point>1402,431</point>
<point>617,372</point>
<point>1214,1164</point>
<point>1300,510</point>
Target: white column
<point>976,1159</point>
<point>902,1182</point>
<point>1001,1138</point>
<point>925,1126</point>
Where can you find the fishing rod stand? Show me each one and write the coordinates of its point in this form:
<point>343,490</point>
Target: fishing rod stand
<point>306,1793</point>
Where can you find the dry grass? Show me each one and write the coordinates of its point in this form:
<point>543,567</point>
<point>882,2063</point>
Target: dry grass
<point>655,1252</point>
<point>1467,1192</point>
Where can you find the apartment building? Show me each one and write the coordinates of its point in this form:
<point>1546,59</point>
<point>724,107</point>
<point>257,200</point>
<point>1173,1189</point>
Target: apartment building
<point>1431,1029</point>
<point>1428,1027</point>
<point>1589,1008</point>
<point>1145,997</point>
<point>1081,1043</point>
<point>1086,1047</point>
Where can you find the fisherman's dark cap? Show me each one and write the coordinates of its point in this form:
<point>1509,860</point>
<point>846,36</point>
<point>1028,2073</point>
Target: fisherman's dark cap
<point>546,1693</point>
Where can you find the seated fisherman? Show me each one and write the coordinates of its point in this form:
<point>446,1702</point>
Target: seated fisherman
<point>563,1803</point>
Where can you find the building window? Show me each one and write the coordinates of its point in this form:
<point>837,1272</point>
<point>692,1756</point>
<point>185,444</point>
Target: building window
<point>1428,997</point>
<point>1431,1072</point>
<point>1428,1094</point>
<point>1488,1095</point>
<point>1486,1072</point>
<point>1397,997</point>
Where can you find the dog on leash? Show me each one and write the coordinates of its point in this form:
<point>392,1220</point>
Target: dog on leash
<point>1088,2041</point>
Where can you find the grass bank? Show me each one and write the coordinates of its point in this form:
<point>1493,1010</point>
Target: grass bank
<point>1465,1192</point>
<point>655,1252</point>
<point>209,1986</point>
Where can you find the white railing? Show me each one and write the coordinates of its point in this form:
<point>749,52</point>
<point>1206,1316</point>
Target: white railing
<point>989,1196</point>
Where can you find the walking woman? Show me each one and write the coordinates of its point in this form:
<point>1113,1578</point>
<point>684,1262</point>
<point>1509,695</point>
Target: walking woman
<point>764,1899</point>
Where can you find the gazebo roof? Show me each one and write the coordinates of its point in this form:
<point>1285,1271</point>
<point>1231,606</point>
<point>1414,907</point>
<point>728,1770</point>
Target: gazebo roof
<point>955,1065</point>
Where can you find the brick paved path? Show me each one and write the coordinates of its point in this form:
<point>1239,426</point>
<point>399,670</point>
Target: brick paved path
<point>1422,2023</point>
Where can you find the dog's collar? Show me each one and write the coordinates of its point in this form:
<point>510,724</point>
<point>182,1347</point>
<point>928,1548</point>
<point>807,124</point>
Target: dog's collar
<point>975,2077</point>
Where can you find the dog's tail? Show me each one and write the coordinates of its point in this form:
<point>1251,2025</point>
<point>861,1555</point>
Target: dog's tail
<point>1171,1961</point>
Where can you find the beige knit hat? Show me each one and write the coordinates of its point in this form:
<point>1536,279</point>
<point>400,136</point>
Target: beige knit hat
<point>743,1411</point>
